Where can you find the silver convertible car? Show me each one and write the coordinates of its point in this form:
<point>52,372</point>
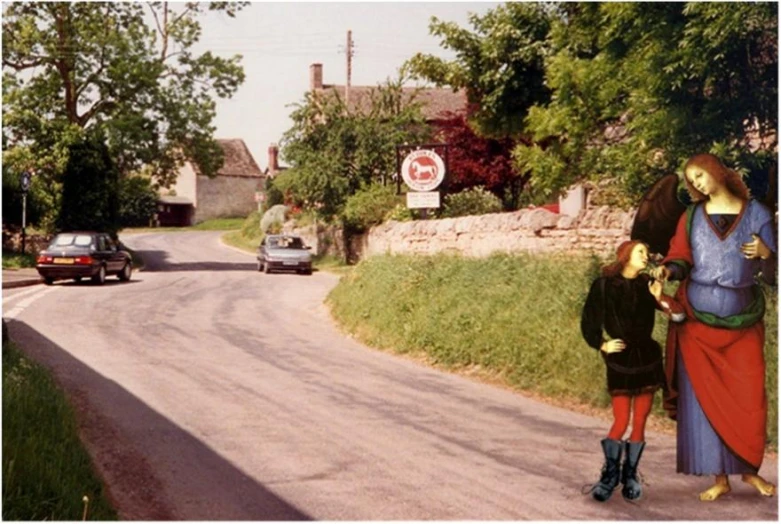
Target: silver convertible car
<point>284,252</point>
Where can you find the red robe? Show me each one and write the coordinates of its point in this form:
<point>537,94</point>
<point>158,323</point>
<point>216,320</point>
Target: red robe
<point>726,368</point>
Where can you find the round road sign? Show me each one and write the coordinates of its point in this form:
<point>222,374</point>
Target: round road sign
<point>423,170</point>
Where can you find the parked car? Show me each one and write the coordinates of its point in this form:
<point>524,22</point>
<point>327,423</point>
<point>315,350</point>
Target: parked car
<point>284,252</point>
<point>83,254</point>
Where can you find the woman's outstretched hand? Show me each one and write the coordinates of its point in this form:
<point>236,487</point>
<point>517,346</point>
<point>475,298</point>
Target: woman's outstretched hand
<point>613,346</point>
<point>755,249</point>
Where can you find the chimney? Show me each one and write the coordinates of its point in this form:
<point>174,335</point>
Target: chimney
<point>273,153</point>
<point>315,76</point>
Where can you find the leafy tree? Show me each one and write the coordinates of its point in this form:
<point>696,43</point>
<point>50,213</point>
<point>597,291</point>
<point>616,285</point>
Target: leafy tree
<point>90,194</point>
<point>640,87</point>
<point>370,206</point>
<point>500,64</point>
<point>477,161</point>
<point>335,151</point>
<point>137,201</point>
<point>125,70</point>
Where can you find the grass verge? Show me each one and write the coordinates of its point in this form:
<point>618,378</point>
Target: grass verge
<point>46,470</point>
<point>18,260</point>
<point>216,224</point>
<point>515,318</point>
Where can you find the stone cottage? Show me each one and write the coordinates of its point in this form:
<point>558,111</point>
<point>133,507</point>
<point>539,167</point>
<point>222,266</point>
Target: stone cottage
<point>231,193</point>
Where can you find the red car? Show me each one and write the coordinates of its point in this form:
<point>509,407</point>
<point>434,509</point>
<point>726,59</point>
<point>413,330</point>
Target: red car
<point>83,254</point>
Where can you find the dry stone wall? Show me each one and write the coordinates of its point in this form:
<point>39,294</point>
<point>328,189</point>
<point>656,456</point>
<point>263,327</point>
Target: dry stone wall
<point>599,230</point>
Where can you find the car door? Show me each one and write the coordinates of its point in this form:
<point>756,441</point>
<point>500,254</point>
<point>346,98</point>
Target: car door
<point>116,260</point>
<point>100,253</point>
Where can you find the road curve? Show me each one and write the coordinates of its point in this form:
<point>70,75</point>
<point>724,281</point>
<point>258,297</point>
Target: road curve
<point>209,391</point>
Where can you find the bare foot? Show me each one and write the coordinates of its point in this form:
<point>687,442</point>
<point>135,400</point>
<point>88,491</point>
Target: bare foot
<point>764,487</point>
<point>720,488</point>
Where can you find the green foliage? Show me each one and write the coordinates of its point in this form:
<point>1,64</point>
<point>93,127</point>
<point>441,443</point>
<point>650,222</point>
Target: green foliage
<point>137,202</point>
<point>500,64</point>
<point>640,87</point>
<point>516,317</point>
<point>274,195</point>
<point>127,70</point>
<point>46,470</point>
<point>90,195</point>
<point>17,260</point>
<point>335,150</point>
<point>369,206</point>
<point>400,213</point>
<point>473,201</point>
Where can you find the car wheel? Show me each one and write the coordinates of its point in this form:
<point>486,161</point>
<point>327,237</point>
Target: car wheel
<point>266,269</point>
<point>127,270</point>
<point>260,265</point>
<point>48,281</point>
<point>100,277</point>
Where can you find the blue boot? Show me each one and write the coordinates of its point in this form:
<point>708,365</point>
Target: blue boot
<point>632,489</point>
<point>610,470</point>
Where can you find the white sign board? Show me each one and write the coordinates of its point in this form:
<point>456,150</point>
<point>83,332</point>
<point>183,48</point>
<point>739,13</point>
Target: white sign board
<point>423,170</point>
<point>423,200</point>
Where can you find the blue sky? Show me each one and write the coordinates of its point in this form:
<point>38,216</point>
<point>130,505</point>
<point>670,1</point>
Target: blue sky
<point>279,41</point>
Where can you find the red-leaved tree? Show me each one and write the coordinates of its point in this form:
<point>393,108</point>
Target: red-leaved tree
<point>477,161</point>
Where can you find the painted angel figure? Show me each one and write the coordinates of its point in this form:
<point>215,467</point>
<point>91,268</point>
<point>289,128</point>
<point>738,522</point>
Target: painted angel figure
<point>714,359</point>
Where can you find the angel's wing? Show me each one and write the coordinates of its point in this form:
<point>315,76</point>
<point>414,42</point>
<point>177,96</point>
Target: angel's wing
<point>658,214</point>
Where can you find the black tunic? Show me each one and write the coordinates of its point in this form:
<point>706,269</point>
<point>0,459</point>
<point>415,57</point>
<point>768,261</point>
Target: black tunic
<point>626,311</point>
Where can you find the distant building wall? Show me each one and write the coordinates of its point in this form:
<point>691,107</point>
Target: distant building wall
<point>185,184</point>
<point>225,196</point>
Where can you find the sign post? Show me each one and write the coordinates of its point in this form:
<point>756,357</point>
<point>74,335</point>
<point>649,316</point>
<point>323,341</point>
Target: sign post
<point>25,183</point>
<point>423,170</point>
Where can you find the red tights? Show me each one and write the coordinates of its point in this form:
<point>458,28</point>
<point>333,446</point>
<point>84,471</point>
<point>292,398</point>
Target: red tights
<point>622,405</point>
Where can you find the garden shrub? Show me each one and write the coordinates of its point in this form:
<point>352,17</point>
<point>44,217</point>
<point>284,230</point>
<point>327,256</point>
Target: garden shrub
<point>474,201</point>
<point>369,206</point>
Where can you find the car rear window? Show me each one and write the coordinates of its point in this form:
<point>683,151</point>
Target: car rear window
<point>291,243</point>
<point>67,239</point>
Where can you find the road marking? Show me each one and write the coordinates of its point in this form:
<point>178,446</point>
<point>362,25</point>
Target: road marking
<point>22,305</point>
<point>32,289</point>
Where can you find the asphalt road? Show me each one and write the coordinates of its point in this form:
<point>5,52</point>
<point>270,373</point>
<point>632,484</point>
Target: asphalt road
<point>209,391</point>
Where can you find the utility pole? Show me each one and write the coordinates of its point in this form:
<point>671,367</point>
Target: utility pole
<point>24,181</point>
<point>349,53</point>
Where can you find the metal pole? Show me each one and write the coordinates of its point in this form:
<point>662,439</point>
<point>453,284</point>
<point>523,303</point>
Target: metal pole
<point>24,218</point>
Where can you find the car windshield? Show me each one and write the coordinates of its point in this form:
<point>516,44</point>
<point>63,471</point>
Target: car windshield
<point>70,239</point>
<point>286,243</point>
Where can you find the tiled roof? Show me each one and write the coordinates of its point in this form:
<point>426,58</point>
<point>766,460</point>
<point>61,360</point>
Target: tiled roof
<point>238,159</point>
<point>435,102</point>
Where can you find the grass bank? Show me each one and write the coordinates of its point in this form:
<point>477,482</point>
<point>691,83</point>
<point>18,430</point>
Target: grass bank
<point>215,224</point>
<point>513,318</point>
<point>46,470</point>
<point>18,260</point>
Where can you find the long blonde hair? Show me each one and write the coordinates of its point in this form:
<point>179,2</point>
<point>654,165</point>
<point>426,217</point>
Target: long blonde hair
<point>721,173</point>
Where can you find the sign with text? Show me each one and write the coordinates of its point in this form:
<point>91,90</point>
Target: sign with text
<point>423,200</point>
<point>423,170</point>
